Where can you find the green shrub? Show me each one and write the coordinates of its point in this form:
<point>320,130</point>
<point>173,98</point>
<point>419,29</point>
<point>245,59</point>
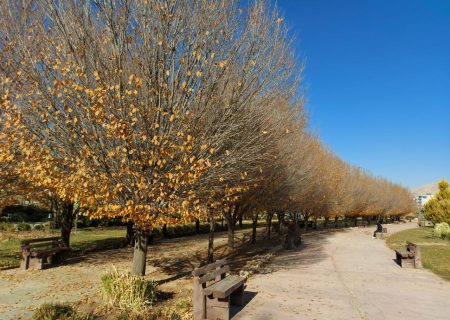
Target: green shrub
<point>53,311</point>
<point>441,230</point>
<point>127,292</point>
<point>39,227</point>
<point>60,311</point>
<point>23,226</point>
<point>7,226</point>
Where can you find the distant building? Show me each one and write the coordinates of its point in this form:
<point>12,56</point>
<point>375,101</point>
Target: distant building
<point>421,200</point>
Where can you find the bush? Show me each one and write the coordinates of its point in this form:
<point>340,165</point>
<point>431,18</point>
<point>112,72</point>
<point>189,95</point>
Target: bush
<point>7,226</point>
<point>23,226</point>
<point>441,230</point>
<point>127,292</point>
<point>39,227</point>
<point>60,311</point>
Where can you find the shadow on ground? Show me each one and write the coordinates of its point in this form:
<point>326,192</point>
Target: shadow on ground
<point>248,296</point>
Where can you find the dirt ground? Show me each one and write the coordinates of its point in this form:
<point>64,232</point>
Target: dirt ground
<point>78,281</point>
<point>345,275</point>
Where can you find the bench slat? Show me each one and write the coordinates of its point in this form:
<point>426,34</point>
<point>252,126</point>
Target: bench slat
<point>28,241</point>
<point>53,244</point>
<point>224,287</point>
<point>212,275</point>
<point>203,270</point>
<point>43,253</point>
<point>405,253</point>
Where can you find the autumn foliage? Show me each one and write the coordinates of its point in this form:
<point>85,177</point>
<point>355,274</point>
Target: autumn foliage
<point>165,112</point>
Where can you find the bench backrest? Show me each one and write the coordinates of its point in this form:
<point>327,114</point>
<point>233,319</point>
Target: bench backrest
<point>51,242</point>
<point>411,247</point>
<point>212,272</point>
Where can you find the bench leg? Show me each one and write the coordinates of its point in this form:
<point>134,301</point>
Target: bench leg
<point>36,263</point>
<point>25,262</point>
<point>217,309</point>
<point>237,297</point>
<point>407,263</point>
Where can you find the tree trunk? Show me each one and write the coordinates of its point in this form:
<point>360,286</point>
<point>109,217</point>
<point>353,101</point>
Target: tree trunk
<point>292,239</point>
<point>325,224</point>
<point>67,217</point>
<point>140,253</point>
<point>269,225</point>
<point>197,226</point>
<point>211,240</point>
<point>164,231</point>
<point>336,221</point>
<point>240,221</point>
<point>315,222</point>
<point>130,234</point>
<point>280,223</point>
<point>254,225</point>
<point>306,221</point>
<point>230,229</point>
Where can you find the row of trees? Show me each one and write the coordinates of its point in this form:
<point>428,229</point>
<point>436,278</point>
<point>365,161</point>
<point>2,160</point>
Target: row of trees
<point>166,112</point>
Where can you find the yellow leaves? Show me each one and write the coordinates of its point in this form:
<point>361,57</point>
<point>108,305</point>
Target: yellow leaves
<point>279,21</point>
<point>197,55</point>
<point>172,117</point>
<point>211,150</point>
<point>222,64</point>
<point>183,85</point>
<point>96,76</point>
<point>198,73</point>
<point>203,147</point>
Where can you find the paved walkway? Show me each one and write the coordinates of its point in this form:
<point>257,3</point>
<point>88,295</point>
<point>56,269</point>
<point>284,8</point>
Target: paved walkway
<point>346,275</point>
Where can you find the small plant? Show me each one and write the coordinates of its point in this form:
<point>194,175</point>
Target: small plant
<point>23,226</point>
<point>53,311</point>
<point>39,227</point>
<point>441,230</point>
<point>7,226</point>
<point>60,311</point>
<point>127,292</point>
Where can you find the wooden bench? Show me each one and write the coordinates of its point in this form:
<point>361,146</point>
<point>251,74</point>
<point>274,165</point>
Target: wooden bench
<point>214,291</point>
<point>409,258</point>
<point>362,223</point>
<point>36,252</point>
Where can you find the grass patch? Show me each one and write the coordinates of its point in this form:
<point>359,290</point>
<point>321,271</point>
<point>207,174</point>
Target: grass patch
<point>435,251</point>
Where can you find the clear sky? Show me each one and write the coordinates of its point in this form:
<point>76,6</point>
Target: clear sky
<point>377,82</point>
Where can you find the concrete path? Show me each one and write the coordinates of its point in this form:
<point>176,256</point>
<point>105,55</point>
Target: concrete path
<point>345,275</point>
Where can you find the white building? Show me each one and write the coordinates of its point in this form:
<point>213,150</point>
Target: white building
<point>421,200</point>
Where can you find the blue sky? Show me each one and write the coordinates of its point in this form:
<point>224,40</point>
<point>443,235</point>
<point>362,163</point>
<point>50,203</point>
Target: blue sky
<point>377,82</point>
